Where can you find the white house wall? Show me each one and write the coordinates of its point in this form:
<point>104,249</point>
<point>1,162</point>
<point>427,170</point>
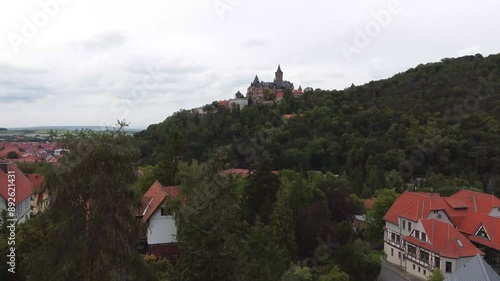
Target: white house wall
<point>161,229</point>
<point>495,212</point>
<point>439,215</point>
<point>23,210</point>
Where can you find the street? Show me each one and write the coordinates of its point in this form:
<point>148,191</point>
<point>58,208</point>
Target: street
<point>388,275</point>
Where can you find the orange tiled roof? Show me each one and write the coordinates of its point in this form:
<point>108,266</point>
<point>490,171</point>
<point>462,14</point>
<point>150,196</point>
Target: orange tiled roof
<point>477,201</point>
<point>36,179</point>
<point>468,211</point>
<point>369,203</point>
<point>445,240</point>
<point>242,172</point>
<point>413,206</point>
<point>24,186</point>
<point>153,198</point>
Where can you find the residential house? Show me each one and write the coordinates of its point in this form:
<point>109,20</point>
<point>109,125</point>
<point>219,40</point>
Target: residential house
<point>23,190</point>
<point>161,229</point>
<point>436,244</point>
<point>39,197</point>
<point>424,231</point>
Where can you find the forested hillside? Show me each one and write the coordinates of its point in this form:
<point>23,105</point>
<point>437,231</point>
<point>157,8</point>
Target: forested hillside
<point>440,121</point>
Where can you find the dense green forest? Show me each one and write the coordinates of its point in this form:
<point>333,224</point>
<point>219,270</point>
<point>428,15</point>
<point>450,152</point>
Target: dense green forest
<point>439,121</point>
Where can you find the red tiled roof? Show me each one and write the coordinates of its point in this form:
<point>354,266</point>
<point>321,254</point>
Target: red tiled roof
<point>36,179</point>
<point>468,211</point>
<point>153,198</point>
<point>224,102</point>
<point>455,203</point>
<point>473,221</point>
<point>477,201</point>
<point>444,240</point>
<point>369,203</point>
<point>288,116</point>
<point>413,206</point>
<point>24,186</point>
<point>242,172</point>
<point>298,92</point>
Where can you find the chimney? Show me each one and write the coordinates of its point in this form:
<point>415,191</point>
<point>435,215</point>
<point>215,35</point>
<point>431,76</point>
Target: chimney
<point>3,167</point>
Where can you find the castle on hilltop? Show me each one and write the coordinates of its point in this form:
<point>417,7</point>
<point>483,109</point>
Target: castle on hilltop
<point>267,91</point>
<point>260,92</point>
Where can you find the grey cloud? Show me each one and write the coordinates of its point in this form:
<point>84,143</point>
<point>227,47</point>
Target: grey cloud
<point>101,42</point>
<point>252,43</point>
<point>25,84</point>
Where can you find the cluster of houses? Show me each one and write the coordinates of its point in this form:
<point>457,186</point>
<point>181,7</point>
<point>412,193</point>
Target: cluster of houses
<point>424,231</point>
<point>31,152</point>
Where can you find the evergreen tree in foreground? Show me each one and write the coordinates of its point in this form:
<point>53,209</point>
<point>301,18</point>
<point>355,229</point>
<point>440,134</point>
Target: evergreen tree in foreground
<point>90,226</point>
<point>208,222</point>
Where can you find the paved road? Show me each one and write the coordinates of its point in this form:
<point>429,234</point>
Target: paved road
<point>388,275</point>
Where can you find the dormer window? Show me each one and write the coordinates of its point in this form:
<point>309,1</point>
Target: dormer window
<point>482,233</point>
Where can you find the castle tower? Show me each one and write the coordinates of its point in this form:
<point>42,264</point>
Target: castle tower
<point>279,75</point>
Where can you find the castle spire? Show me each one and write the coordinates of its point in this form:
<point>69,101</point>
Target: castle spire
<point>279,75</point>
<point>256,80</point>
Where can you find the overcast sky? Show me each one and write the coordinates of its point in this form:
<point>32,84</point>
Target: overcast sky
<point>76,62</point>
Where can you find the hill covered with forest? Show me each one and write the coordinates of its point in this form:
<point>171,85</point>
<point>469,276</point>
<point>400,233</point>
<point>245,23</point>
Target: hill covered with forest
<point>439,121</point>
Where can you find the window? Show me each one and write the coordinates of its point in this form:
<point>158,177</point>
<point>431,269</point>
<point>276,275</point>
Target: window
<point>417,234</point>
<point>437,262</point>
<point>399,254</point>
<point>419,269</point>
<point>413,266</point>
<point>425,272</point>
<point>392,252</point>
<point>409,226</point>
<point>459,243</point>
<point>412,251</point>
<point>424,236</point>
<point>404,224</point>
<point>424,256</point>
<point>393,237</point>
<point>482,233</point>
<point>448,267</point>
<point>435,212</point>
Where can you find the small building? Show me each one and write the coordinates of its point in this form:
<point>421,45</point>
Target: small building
<point>161,229</point>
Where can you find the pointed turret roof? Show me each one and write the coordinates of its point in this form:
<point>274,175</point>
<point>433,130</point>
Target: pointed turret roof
<point>256,80</point>
<point>279,68</point>
<point>300,88</point>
